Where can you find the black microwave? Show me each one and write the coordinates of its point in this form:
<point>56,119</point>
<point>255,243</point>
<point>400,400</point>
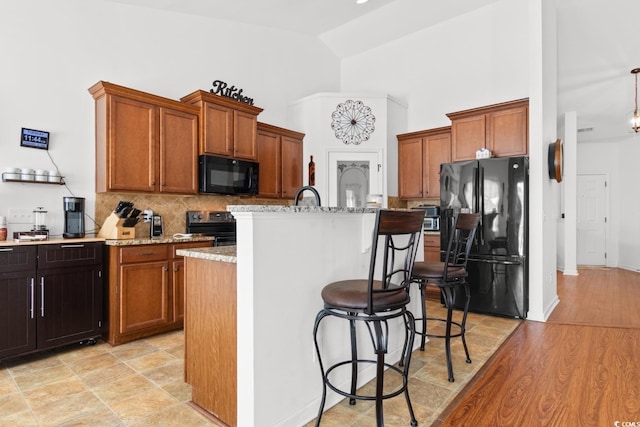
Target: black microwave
<point>222,175</point>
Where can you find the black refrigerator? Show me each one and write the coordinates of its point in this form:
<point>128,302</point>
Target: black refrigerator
<point>498,264</point>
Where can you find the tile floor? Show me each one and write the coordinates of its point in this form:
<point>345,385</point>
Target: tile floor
<point>429,388</point>
<point>141,383</point>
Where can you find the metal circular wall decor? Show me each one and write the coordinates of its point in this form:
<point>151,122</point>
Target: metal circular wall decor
<point>353,122</point>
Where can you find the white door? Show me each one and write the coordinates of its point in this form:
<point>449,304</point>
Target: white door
<point>592,220</point>
<point>353,175</point>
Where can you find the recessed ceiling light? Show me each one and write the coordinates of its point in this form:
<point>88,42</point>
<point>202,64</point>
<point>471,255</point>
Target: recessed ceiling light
<point>361,1</point>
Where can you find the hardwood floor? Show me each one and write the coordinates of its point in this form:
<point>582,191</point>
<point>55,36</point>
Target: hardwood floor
<point>582,367</point>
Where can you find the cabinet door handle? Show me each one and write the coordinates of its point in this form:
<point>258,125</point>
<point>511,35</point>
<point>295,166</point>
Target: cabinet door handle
<point>33,296</point>
<point>42,296</point>
<point>6,249</point>
<point>72,246</point>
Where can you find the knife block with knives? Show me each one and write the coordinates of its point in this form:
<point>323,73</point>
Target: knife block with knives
<point>120,224</point>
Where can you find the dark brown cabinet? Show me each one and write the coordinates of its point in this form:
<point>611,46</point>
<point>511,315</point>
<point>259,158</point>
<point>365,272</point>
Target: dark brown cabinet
<point>144,143</point>
<point>280,159</point>
<point>69,293</point>
<point>501,128</point>
<point>419,157</point>
<point>228,127</point>
<point>17,300</point>
<point>50,295</point>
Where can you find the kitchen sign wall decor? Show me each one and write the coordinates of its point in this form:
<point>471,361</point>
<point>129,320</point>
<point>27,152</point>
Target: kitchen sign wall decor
<point>223,89</point>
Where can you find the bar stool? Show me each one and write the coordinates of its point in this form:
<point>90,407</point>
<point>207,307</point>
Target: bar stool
<point>375,300</point>
<point>449,276</point>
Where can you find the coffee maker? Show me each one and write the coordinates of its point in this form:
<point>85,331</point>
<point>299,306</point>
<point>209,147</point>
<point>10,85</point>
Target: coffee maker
<point>73,217</point>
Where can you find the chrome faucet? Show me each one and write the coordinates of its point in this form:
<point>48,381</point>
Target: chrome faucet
<point>302,189</point>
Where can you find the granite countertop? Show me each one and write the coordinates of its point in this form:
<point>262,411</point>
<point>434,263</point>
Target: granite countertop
<point>215,253</point>
<point>306,209</point>
<point>159,240</point>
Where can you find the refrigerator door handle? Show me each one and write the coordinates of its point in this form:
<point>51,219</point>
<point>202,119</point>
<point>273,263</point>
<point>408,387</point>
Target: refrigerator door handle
<point>479,205</point>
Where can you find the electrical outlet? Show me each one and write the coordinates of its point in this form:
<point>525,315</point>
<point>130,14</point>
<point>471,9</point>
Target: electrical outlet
<point>147,214</point>
<point>20,216</point>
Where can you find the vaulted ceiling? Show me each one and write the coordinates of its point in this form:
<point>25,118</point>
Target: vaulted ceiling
<point>597,41</point>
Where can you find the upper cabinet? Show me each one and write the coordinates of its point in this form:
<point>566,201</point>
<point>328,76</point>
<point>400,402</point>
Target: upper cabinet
<point>280,158</point>
<point>228,127</point>
<point>419,157</point>
<point>144,143</point>
<point>502,128</point>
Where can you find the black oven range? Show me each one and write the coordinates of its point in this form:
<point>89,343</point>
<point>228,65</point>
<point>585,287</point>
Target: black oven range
<point>219,224</point>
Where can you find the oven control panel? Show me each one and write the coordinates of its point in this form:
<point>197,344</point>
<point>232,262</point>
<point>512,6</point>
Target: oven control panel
<point>207,217</point>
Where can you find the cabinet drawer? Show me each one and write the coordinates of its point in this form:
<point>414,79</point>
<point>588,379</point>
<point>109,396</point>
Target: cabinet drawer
<point>69,255</point>
<point>432,240</point>
<point>177,246</point>
<point>17,258</point>
<point>143,253</point>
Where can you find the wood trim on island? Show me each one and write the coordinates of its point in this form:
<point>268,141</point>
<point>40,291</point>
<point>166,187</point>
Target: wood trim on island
<point>210,337</point>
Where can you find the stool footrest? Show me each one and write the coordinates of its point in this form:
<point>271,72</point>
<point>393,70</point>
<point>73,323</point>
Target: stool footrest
<point>456,324</point>
<point>391,368</point>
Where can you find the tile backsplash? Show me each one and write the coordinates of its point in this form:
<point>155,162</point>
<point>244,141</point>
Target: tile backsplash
<point>172,208</point>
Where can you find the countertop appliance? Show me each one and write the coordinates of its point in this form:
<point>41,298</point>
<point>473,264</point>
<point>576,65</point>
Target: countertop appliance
<point>498,263</point>
<point>431,217</point>
<point>219,224</point>
<point>73,217</point>
<point>221,175</point>
<point>156,229</point>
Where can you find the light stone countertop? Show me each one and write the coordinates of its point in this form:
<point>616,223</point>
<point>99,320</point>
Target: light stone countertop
<point>301,209</point>
<point>150,241</point>
<point>215,253</point>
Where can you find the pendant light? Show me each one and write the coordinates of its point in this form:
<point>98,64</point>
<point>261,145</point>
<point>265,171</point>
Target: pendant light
<point>635,120</point>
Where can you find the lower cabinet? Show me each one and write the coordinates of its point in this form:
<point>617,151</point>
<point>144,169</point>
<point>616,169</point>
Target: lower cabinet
<point>432,253</point>
<point>432,247</point>
<point>50,295</point>
<point>146,290</point>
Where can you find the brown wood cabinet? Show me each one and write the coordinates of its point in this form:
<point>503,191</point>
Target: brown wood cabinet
<point>431,247</point>
<point>419,157</point>
<point>280,159</point>
<point>211,337</point>
<point>144,143</point>
<point>228,127</point>
<point>146,290</point>
<point>502,128</point>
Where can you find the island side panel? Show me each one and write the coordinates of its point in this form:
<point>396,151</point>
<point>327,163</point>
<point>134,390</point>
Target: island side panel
<point>210,336</point>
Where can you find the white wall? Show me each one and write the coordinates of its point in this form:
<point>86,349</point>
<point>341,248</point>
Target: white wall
<point>52,52</point>
<point>627,192</point>
<point>476,59</point>
<point>497,53</point>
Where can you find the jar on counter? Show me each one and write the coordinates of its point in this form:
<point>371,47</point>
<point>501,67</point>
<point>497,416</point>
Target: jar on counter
<point>3,228</point>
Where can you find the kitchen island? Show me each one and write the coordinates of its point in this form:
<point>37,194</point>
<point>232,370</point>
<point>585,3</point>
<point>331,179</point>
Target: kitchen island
<point>250,356</point>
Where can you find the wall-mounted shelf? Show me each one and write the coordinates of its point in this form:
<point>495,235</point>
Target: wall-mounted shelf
<point>35,181</point>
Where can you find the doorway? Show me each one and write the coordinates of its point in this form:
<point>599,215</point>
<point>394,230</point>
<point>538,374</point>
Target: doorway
<point>591,219</point>
<point>353,175</point>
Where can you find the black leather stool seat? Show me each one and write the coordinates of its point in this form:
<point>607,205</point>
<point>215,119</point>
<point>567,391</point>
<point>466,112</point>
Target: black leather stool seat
<point>379,302</point>
<point>353,295</point>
